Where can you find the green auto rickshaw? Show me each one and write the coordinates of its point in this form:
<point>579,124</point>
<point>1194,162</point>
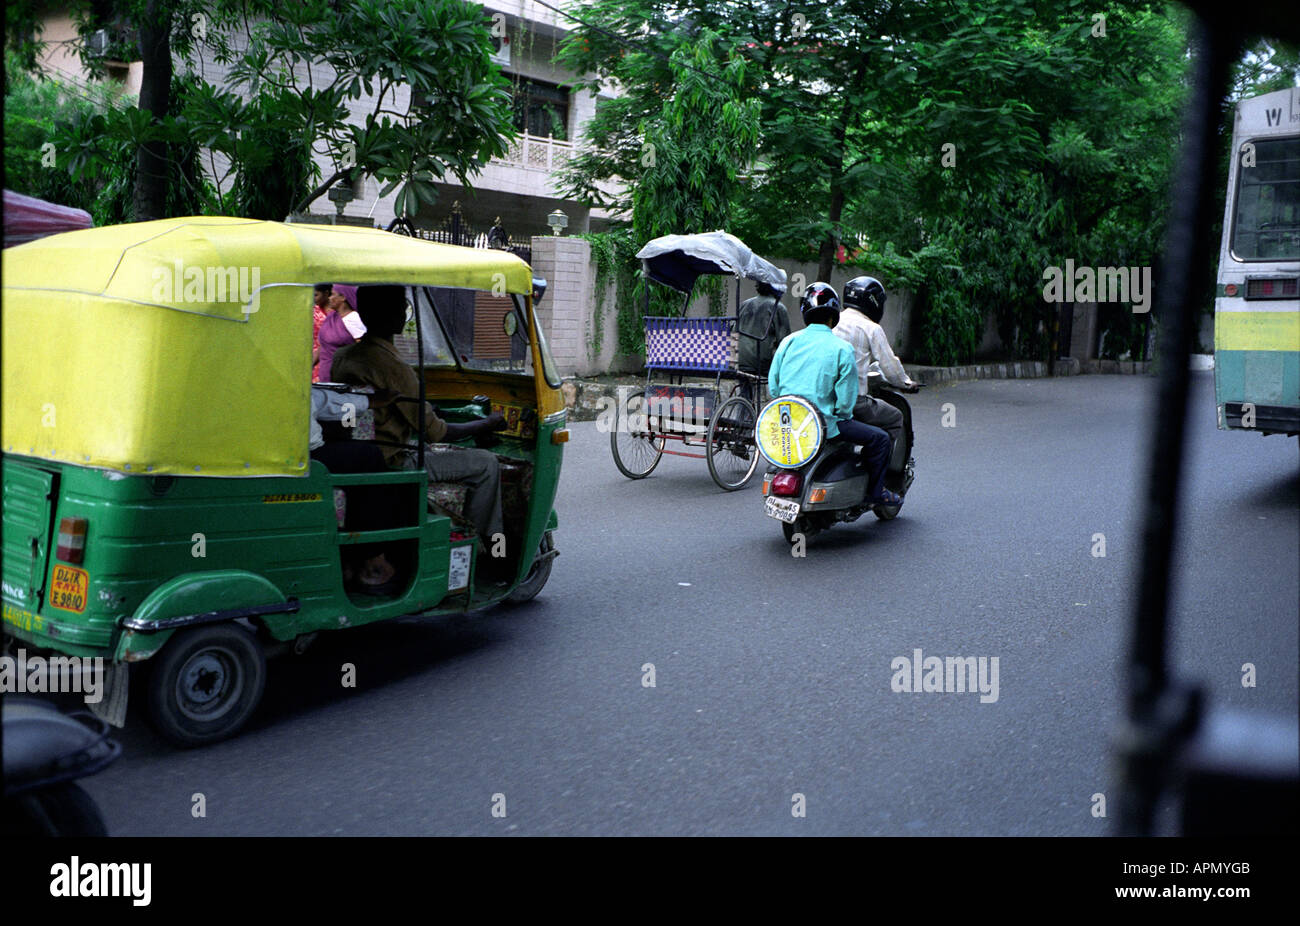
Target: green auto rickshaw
<point>161,507</point>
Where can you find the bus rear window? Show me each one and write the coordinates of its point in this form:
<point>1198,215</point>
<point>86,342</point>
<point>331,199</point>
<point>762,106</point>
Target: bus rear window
<point>1266,225</point>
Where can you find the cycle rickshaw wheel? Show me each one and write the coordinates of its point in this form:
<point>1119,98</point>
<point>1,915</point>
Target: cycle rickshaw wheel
<point>731,453</point>
<point>637,451</point>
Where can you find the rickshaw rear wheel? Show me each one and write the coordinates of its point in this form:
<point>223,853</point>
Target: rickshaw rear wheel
<point>731,452</point>
<point>541,571</point>
<point>636,451</point>
<point>205,684</point>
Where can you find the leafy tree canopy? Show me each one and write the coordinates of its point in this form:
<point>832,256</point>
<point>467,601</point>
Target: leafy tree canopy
<point>288,81</point>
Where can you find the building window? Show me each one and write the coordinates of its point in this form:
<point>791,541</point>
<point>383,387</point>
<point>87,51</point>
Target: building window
<point>541,109</point>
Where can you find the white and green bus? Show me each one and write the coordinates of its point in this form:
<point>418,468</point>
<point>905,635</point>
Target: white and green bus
<point>1257,299</point>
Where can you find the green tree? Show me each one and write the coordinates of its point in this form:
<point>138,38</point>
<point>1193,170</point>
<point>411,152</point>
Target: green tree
<point>277,110</point>
<point>33,110</point>
<point>1064,128</point>
<point>686,154</point>
<point>458,116</point>
<point>956,147</point>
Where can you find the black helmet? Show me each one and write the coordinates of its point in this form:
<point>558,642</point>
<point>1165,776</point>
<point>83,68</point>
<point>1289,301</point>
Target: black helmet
<point>867,296</point>
<point>820,301</point>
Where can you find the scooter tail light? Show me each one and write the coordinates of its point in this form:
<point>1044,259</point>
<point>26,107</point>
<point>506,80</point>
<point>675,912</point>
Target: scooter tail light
<point>72,540</point>
<point>786,484</point>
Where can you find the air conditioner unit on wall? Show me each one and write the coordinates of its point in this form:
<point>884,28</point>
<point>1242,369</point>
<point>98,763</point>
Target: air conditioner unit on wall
<point>97,44</point>
<point>501,54</point>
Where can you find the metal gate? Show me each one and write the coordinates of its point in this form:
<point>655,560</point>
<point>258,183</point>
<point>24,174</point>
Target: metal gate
<point>455,230</point>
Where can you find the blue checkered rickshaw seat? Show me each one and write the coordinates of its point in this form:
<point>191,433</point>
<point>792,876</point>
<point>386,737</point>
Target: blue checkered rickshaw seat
<point>699,344</point>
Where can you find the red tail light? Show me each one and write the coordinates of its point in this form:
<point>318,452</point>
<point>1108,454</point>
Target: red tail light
<point>1277,288</point>
<point>72,540</point>
<point>786,484</point>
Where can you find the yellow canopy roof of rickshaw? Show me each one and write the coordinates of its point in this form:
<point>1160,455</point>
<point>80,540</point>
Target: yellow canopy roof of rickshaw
<point>184,345</point>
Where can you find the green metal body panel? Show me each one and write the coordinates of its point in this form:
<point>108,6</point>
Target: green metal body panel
<point>167,547</point>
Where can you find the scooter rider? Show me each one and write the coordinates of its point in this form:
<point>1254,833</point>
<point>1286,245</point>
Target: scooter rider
<point>859,325</point>
<point>819,366</point>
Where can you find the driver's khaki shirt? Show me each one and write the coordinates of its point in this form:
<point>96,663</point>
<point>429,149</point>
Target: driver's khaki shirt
<point>375,362</point>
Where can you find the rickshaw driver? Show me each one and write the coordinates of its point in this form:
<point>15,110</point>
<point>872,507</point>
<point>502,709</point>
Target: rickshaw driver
<point>765,318</point>
<point>374,361</point>
<point>818,365</point>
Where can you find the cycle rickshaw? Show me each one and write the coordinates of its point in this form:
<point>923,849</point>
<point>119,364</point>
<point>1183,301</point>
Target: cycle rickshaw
<point>677,402</point>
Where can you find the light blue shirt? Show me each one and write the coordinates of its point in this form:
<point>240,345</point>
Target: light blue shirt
<point>819,366</point>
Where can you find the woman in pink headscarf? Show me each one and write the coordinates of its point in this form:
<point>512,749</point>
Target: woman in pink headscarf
<point>341,327</point>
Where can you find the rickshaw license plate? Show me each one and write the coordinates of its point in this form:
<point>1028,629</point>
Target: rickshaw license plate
<point>458,568</point>
<point>781,508</point>
<point>68,587</point>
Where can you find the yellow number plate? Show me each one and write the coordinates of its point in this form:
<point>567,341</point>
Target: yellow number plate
<point>68,588</point>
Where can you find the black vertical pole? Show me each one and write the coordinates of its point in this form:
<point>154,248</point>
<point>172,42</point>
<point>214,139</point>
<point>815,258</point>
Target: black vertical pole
<point>419,359</point>
<point>1161,716</point>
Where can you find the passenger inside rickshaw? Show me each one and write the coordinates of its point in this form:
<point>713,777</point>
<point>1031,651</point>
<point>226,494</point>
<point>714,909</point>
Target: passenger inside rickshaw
<point>368,569</point>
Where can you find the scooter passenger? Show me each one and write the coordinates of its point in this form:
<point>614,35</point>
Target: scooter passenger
<point>859,325</point>
<point>821,367</point>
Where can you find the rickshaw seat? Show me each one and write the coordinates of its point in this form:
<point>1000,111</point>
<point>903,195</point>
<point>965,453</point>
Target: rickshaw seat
<point>697,345</point>
<point>365,426</point>
<point>448,498</point>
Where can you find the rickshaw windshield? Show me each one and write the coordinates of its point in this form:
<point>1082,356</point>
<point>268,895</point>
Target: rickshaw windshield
<point>475,330</point>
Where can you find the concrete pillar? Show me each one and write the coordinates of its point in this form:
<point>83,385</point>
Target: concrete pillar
<point>566,264</point>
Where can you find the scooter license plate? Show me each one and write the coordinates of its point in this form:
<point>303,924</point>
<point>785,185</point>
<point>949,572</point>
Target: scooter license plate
<point>781,508</point>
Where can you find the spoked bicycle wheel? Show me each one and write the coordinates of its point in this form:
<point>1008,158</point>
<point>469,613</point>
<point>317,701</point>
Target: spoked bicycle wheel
<point>731,452</point>
<point>637,450</point>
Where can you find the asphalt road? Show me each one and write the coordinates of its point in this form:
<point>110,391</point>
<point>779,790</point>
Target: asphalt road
<point>773,674</point>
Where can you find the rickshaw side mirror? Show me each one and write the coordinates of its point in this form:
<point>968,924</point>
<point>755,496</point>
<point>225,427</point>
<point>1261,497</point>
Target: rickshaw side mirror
<point>539,289</point>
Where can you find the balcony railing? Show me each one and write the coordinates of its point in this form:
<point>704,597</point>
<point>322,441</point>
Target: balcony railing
<point>537,153</point>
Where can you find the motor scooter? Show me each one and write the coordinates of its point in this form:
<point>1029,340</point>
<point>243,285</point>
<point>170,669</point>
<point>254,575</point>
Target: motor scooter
<point>813,483</point>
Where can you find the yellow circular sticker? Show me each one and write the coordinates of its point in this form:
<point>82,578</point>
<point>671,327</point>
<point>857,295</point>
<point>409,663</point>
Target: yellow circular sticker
<point>789,431</point>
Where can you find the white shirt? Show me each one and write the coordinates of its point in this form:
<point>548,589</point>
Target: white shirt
<point>327,405</point>
<point>871,349</point>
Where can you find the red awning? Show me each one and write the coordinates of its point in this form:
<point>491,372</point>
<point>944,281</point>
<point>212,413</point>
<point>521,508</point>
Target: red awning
<point>28,218</point>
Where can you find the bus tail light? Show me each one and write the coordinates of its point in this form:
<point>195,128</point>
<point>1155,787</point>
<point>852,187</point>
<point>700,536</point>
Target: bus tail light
<point>72,540</point>
<point>1272,288</point>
